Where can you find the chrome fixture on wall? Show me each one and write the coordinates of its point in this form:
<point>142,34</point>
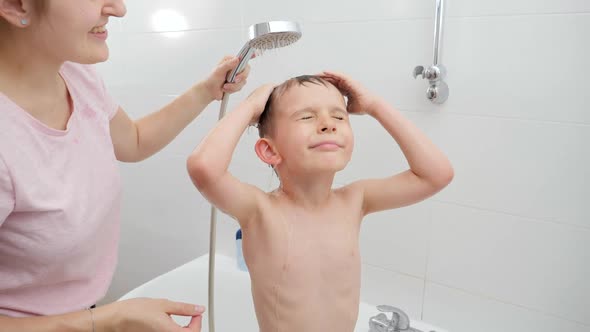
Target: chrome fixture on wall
<point>438,90</point>
<point>400,322</point>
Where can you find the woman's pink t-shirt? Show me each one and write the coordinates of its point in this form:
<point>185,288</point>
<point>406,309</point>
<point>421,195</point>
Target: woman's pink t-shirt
<point>59,203</point>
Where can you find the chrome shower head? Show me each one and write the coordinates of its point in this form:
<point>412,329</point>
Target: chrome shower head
<point>275,34</point>
<point>266,36</point>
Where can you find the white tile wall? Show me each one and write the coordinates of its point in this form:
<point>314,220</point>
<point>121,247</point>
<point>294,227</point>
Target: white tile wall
<point>462,311</point>
<point>158,63</point>
<point>169,15</point>
<point>517,66</point>
<point>381,286</point>
<point>397,240</point>
<point>511,7</point>
<point>534,264</point>
<point>504,247</point>
<point>515,166</point>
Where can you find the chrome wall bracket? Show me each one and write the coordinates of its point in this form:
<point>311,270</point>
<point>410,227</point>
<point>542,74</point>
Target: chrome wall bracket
<point>438,90</point>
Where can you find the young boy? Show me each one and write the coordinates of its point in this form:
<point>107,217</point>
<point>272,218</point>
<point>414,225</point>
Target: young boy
<point>301,240</point>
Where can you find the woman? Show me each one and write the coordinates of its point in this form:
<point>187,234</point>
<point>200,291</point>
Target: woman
<point>61,136</point>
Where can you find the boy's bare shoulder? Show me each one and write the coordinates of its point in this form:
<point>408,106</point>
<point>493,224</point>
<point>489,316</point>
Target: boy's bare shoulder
<point>351,194</point>
<point>347,204</point>
<point>267,201</point>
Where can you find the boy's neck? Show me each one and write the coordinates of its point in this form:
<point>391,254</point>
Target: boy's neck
<point>308,191</point>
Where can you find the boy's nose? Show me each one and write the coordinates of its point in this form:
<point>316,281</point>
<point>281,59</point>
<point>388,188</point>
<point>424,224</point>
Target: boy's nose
<point>328,128</point>
<point>114,8</point>
<point>326,124</point>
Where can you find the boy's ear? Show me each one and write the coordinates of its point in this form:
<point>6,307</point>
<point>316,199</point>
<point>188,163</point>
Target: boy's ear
<point>266,152</point>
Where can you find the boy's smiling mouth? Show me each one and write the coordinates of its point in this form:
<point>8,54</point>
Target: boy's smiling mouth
<point>326,145</point>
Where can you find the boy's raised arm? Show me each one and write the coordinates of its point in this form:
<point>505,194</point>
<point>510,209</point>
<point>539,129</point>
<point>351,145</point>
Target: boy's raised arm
<point>430,170</point>
<point>208,163</point>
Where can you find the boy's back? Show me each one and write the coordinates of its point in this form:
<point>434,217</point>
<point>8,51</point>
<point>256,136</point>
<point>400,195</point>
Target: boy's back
<point>305,265</point>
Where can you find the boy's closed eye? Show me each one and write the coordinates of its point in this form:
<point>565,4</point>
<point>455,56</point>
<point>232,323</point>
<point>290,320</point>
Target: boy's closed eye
<point>340,115</point>
<point>307,117</point>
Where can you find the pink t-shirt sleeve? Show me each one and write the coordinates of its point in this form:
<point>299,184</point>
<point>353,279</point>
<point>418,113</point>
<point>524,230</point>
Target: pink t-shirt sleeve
<point>6,193</point>
<point>110,106</point>
<point>91,85</point>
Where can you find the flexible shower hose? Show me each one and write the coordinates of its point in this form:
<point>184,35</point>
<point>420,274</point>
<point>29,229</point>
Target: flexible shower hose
<point>212,239</point>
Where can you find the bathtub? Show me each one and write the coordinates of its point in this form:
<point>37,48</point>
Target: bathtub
<point>234,309</point>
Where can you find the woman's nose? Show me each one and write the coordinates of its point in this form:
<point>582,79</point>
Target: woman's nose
<point>114,8</point>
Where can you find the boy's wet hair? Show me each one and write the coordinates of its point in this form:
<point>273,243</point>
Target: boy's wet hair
<point>265,120</point>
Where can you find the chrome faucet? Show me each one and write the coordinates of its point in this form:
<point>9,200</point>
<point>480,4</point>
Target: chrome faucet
<point>399,321</point>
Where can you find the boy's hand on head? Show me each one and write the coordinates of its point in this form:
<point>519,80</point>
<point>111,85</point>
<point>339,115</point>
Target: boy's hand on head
<point>257,100</point>
<point>216,84</point>
<point>360,100</point>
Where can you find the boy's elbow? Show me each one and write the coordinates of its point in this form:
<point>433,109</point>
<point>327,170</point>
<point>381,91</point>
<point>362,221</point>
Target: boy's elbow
<point>450,174</point>
<point>444,176</point>
<point>199,171</point>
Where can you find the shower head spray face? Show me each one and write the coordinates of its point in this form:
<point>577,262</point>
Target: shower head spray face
<point>263,37</point>
<point>275,34</point>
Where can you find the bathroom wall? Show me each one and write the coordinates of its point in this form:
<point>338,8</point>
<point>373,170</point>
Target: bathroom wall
<point>505,247</point>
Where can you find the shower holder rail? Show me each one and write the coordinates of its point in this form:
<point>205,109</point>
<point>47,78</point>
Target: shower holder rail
<point>438,90</point>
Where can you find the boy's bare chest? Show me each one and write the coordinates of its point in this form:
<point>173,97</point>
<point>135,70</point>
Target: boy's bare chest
<point>313,267</point>
<point>322,254</point>
<point>316,248</point>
